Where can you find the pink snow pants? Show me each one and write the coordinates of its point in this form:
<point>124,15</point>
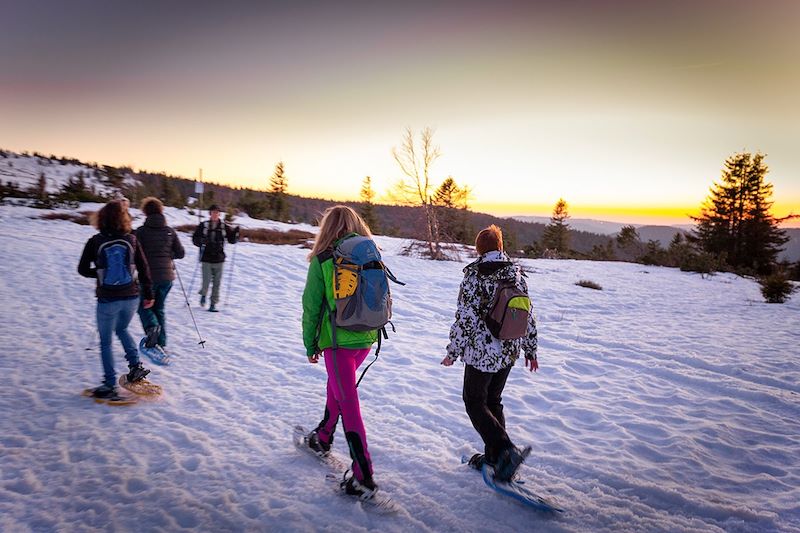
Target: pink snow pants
<point>344,402</point>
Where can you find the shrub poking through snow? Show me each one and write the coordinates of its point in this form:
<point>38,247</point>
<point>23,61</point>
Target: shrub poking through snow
<point>265,236</point>
<point>589,284</point>
<point>776,288</point>
<point>78,218</point>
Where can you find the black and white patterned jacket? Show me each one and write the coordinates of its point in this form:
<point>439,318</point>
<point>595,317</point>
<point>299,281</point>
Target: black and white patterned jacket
<point>469,336</point>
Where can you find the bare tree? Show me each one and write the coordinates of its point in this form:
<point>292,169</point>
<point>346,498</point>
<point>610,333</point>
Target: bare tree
<point>416,188</point>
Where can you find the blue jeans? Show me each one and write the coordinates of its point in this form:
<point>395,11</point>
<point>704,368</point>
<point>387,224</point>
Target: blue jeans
<point>114,317</point>
<point>155,316</point>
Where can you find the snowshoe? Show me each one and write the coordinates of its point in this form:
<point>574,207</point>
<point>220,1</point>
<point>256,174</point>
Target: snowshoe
<point>156,353</point>
<point>108,395</point>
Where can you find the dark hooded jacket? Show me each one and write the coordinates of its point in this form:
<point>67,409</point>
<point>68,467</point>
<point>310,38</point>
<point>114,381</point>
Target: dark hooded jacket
<point>161,245</point>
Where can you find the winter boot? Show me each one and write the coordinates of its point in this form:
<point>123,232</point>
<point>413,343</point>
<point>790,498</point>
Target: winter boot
<point>509,462</point>
<point>365,489</point>
<point>213,308</point>
<point>477,461</point>
<point>104,392</point>
<point>203,300</point>
<point>137,373</point>
<point>151,338</point>
<point>315,443</point>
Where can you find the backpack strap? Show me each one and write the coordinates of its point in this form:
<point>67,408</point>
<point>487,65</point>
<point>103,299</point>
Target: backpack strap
<point>391,276</point>
<point>381,333</point>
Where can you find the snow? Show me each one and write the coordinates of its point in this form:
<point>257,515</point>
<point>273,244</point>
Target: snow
<point>664,402</point>
<point>24,171</point>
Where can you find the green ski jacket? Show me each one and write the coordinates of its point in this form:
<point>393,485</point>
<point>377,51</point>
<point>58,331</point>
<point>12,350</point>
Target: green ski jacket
<point>318,301</point>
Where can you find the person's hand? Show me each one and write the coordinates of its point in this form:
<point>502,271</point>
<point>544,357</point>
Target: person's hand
<point>314,358</point>
<point>147,304</point>
<point>531,364</point>
<point>447,361</point>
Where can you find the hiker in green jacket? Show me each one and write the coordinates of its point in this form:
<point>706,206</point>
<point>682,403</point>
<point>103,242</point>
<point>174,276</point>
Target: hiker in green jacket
<point>338,224</point>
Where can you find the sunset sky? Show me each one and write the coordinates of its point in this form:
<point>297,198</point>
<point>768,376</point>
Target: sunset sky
<point>627,110</point>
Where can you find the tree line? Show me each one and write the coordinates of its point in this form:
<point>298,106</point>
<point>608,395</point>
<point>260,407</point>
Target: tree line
<point>735,230</point>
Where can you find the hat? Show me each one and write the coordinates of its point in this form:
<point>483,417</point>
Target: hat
<point>214,207</point>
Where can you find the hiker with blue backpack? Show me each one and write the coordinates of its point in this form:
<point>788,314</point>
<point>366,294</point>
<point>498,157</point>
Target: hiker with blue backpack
<point>346,304</point>
<point>494,321</point>
<point>118,261</point>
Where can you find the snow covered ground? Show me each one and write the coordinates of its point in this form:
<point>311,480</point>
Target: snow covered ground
<point>665,402</point>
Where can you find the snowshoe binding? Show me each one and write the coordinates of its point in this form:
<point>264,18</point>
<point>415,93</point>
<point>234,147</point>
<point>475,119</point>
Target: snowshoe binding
<point>151,336</point>
<point>364,490</point>
<point>317,446</point>
<point>108,395</point>
<point>137,373</point>
<point>509,462</point>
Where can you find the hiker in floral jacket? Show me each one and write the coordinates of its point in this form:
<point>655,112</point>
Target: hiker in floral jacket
<point>488,360</point>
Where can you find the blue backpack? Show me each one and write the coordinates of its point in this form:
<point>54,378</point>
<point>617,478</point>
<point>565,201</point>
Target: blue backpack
<point>361,285</point>
<point>361,291</point>
<point>115,264</point>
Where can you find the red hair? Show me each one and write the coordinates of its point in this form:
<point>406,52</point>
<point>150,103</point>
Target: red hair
<point>489,239</point>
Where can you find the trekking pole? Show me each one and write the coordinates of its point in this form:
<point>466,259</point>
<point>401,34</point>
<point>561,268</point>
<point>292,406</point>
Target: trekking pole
<point>230,277</point>
<point>94,341</point>
<point>186,298</point>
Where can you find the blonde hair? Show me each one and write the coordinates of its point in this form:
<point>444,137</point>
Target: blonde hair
<point>337,221</point>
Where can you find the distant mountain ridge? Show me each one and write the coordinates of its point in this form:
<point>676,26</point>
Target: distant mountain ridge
<point>662,234</point>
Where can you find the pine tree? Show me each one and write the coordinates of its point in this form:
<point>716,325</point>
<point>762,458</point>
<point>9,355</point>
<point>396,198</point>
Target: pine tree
<point>170,194</point>
<point>451,202</point>
<point>735,223</point>
<point>278,202</point>
<point>447,193</point>
<point>679,250</point>
<point>367,207</point>
<point>629,243</point>
<point>556,234</point>
<point>41,188</point>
